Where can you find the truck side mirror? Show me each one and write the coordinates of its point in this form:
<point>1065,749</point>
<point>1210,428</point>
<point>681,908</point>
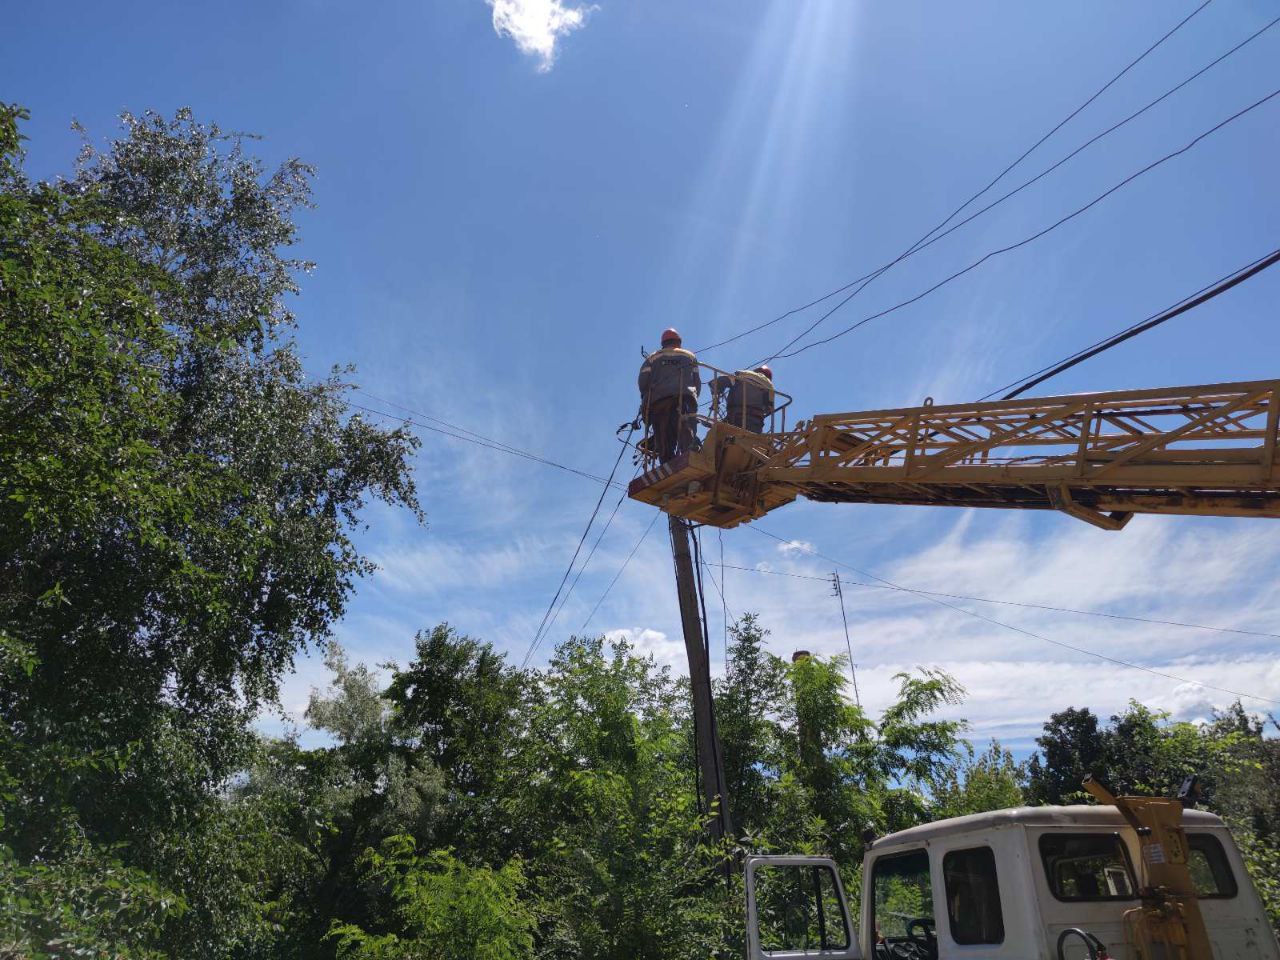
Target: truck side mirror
<point>796,905</point>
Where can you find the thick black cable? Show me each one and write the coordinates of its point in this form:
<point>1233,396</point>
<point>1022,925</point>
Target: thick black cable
<point>1203,295</point>
<point>866,279</point>
<point>722,813</point>
<point>1009,626</point>
<point>702,600</point>
<point>1026,240</point>
<point>538,637</point>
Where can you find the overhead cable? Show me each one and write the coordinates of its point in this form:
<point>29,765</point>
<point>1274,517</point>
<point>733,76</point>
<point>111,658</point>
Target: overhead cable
<point>622,569</point>
<point>1009,626</point>
<point>1029,239</point>
<point>542,627</point>
<point>445,423</point>
<point>919,247</point>
<point>585,563</point>
<point>720,592</point>
<point>925,240</point>
<point>1189,302</point>
<point>457,433</point>
<point>1008,603</point>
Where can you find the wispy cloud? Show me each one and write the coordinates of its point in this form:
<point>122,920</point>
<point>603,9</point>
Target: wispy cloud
<point>536,26</point>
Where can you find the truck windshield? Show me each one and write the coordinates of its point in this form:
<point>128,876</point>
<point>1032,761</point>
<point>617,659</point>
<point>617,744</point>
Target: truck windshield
<point>1087,866</point>
<point>903,896</point>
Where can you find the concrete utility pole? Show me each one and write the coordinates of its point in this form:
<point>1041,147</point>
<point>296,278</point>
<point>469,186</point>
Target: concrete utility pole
<point>715,792</point>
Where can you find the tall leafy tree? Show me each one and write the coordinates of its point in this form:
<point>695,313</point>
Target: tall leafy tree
<point>1071,746</point>
<point>747,704</point>
<point>177,500</point>
<point>462,708</point>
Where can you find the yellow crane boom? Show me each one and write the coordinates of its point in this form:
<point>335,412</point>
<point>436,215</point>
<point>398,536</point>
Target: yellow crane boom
<point>1102,457</point>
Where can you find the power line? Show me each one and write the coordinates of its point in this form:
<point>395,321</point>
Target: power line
<point>1010,603</point>
<point>625,564</point>
<point>918,247</point>
<point>1026,240</point>
<point>460,433</point>
<point>1009,626</point>
<point>482,441</point>
<point>452,426</point>
<point>1182,306</point>
<point>853,669</point>
<point>919,244</point>
<point>720,591</point>
<point>724,601</point>
<point>585,563</point>
<point>538,637</point>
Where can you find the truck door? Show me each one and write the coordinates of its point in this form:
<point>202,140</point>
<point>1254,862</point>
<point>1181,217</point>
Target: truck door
<point>796,908</point>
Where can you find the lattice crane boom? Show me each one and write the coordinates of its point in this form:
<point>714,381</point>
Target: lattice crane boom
<point>1102,457</point>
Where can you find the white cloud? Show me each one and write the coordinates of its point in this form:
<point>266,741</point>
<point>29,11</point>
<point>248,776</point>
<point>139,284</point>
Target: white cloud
<point>792,547</point>
<point>646,641</point>
<point>536,25</point>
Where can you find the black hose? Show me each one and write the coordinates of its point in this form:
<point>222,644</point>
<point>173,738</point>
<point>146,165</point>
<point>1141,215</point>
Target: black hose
<point>1097,949</point>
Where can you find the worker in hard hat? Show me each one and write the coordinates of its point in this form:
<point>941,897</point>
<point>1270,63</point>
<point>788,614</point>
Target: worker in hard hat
<point>749,397</point>
<point>669,386</point>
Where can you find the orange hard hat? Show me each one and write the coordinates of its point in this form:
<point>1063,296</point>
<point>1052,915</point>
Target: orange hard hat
<point>670,334</point>
<point>765,371</point>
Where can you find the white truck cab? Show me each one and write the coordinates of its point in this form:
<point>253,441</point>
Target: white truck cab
<point>1009,884</point>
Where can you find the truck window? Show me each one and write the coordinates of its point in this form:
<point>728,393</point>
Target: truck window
<point>1210,871</point>
<point>973,896</point>
<point>1087,866</point>
<point>798,908</point>
<point>903,904</point>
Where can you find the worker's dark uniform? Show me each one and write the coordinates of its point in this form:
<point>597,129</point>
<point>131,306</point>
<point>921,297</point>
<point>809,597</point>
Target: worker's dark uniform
<point>669,386</point>
<point>750,399</point>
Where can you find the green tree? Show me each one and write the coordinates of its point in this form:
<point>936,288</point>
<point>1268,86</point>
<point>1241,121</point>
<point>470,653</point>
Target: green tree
<point>990,780</point>
<point>462,709</point>
<point>1071,746</point>
<point>603,787</point>
<point>443,909</point>
<point>177,504</point>
<point>748,702</point>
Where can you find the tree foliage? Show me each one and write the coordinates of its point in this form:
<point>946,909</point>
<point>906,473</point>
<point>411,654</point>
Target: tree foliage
<point>177,501</point>
<point>443,908</point>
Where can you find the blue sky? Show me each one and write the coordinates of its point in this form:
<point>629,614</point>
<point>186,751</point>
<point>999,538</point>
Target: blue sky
<point>512,199</point>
